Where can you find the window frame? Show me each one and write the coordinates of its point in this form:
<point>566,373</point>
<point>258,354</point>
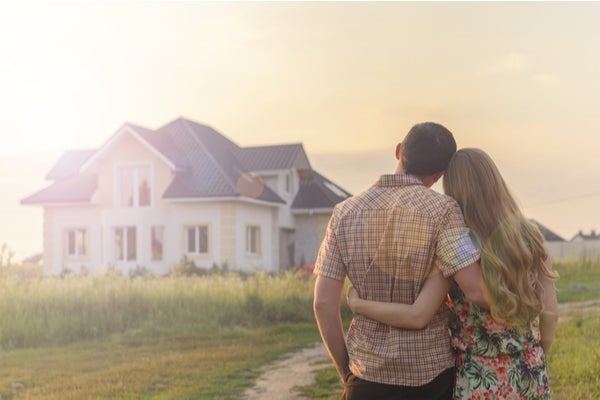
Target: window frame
<point>125,243</point>
<point>197,236</point>
<point>161,228</point>
<point>136,182</point>
<point>84,242</point>
<point>253,239</point>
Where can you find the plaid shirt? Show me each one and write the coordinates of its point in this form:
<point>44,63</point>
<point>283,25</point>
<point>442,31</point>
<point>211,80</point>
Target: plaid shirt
<point>387,240</point>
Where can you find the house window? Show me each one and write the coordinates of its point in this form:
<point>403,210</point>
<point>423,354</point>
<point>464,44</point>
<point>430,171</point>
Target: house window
<point>196,239</point>
<point>76,242</point>
<point>125,243</point>
<point>134,185</point>
<point>253,239</point>
<point>157,240</point>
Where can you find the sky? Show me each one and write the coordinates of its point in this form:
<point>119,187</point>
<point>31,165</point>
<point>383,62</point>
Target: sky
<point>346,79</point>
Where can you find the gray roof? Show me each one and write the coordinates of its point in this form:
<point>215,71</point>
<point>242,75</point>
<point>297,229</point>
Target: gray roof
<point>263,158</point>
<point>74,189</point>
<point>213,170</point>
<point>314,192</point>
<point>549,236</point>
<point>205,162</point>
<point>207,165</point>
<point>68,164</point>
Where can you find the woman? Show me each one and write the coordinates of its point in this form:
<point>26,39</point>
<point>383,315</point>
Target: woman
<point>500,351</point>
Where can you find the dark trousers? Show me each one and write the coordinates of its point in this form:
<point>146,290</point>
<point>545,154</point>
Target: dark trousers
<point>438,389</point>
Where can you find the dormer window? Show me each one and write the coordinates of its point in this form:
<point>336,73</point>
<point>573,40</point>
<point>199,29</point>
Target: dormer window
<point>134,185</point>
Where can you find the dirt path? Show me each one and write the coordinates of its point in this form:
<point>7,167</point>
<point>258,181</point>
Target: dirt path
<point>296,369</point>
<point>589,306</point>
<point>278,379</point>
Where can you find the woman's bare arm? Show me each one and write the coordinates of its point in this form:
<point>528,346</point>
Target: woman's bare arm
<point>407,316</point>
<point>549,315</point>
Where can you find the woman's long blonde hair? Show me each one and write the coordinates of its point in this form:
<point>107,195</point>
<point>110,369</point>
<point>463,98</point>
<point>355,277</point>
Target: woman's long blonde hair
<point>512,247</point>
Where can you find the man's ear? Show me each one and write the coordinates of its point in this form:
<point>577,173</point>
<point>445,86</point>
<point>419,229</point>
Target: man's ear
<point>398,151</point>
<point>437,176</point>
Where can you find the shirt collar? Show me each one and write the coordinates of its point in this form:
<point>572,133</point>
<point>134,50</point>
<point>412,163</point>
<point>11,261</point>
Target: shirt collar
<point>398,180</point>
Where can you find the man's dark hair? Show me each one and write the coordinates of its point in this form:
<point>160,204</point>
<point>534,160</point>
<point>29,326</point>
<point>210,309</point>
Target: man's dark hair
<point>427,149</point>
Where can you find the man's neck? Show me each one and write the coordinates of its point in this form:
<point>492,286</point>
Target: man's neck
<point>399,169</point>
<point>425,180</point>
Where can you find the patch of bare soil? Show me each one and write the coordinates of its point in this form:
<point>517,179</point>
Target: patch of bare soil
<point>279,378</point>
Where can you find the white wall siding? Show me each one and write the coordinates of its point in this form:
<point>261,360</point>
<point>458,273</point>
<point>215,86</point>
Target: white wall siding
<point>276,181</point>
<point>58,219</point>
<point>142,219</point>
<point>101,225</point>
<point>228,241</point>
<point>574,250</point>
<point>275,239</point>
<point>191,214</point>
<point>286,218</point>
<point>255,215</point>
<point>310,231</point>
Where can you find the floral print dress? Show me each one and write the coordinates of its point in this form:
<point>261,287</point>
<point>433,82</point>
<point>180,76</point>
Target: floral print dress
<point>494,362</point>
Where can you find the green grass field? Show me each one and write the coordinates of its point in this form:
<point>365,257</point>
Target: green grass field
<point>192,366</point>
<point>579,280</point>
<point>574,360</point>
<point>114,337</point>
<point>573,364</point>
<point>38,312</point>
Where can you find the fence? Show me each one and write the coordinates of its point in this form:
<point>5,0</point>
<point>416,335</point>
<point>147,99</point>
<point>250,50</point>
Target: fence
<point>563,250</point>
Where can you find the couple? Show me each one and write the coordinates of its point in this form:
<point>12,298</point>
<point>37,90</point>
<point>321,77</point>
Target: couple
<point>404,247</point>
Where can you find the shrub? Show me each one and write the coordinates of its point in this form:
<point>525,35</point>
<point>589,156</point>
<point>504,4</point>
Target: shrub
<point>187,267</point>
<point>140,271</point>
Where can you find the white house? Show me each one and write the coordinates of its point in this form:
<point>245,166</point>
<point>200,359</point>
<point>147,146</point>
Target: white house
<point>147,198</point>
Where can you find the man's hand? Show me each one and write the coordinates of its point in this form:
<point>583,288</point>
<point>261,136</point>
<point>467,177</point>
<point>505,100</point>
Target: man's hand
<point>352,298</point>
<point>328,294</point>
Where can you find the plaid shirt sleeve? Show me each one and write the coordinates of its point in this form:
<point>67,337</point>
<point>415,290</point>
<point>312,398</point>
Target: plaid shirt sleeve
<point>455,249</point>
<point>329,260</point>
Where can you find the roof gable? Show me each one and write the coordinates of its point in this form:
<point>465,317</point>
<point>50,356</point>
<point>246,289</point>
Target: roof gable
<point>145,136</point>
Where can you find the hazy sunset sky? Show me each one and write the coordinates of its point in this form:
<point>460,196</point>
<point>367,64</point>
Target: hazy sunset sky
<point>348,80</point>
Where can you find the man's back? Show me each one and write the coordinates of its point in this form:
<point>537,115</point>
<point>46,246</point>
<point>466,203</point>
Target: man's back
<point>387,240</point>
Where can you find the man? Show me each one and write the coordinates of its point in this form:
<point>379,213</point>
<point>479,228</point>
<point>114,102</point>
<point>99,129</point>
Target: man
<point>387,241</point>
